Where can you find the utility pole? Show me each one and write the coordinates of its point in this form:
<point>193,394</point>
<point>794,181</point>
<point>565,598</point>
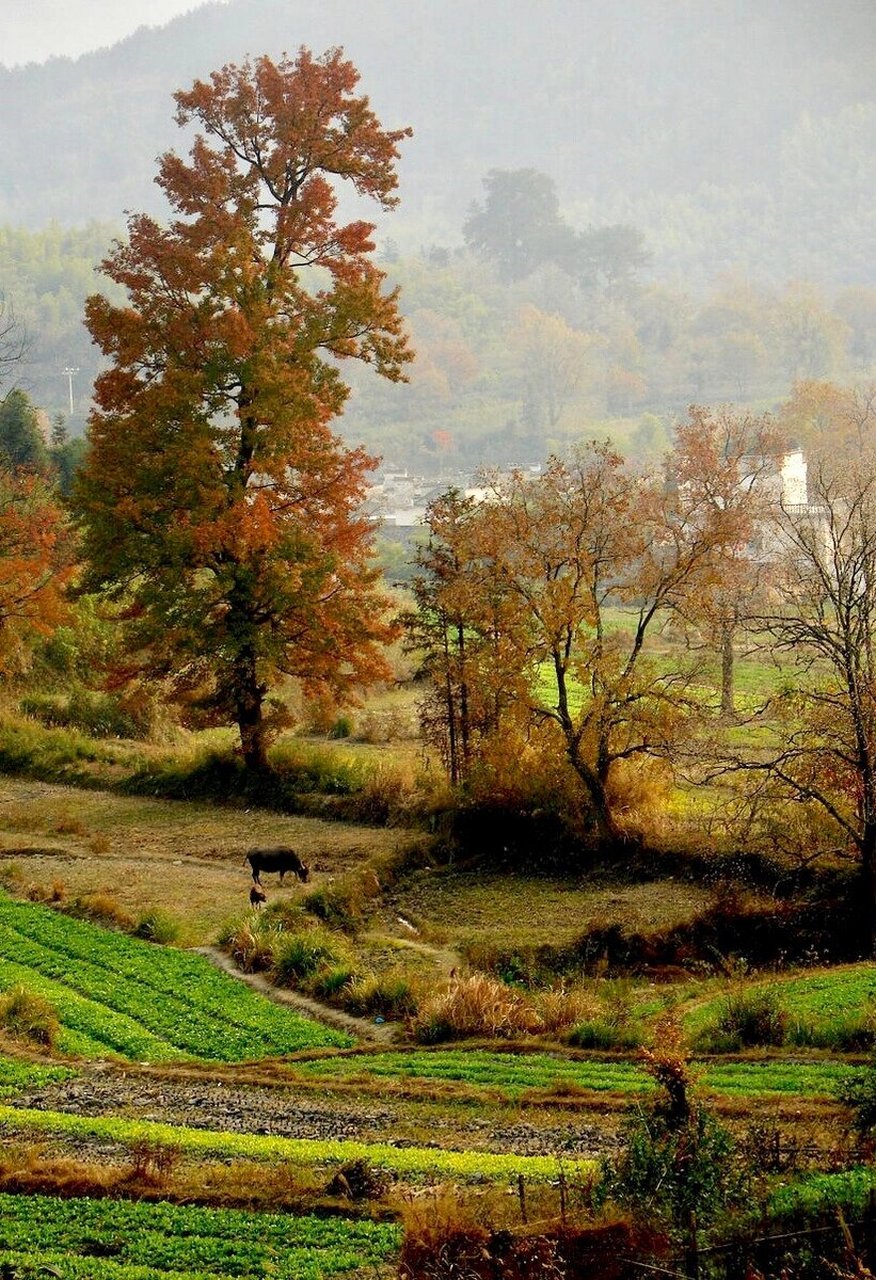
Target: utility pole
<point>69,375</point>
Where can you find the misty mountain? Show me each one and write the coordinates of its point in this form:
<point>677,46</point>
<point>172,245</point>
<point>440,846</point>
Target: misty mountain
<point>738,134</point>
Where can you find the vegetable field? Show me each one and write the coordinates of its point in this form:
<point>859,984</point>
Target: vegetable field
<point>416,1163</point>
<point>514,1074</point>
<point>118,995</point>
<point>15,1076</point>
<point>126,1240</point>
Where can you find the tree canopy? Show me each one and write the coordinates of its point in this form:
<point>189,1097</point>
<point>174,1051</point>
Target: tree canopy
<point>219,507</point>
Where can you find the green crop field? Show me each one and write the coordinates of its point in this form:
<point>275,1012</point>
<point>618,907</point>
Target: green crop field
<point>416,1163</point>
<point>819,1005</point>
<point>126,1240</point>
<point>117,994</point>
<point>15,1076</point>
<point>514,1074</point>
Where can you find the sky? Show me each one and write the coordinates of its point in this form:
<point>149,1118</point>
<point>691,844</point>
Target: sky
<point>35,30</point>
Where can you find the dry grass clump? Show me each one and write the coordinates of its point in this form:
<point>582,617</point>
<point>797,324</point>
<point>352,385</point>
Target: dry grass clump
<point>28,1016</point>
<point>101,908</point>
<point>251,948</point>
<point>475,1005</point>
<point>559,1009</point>
<point>55,892</point>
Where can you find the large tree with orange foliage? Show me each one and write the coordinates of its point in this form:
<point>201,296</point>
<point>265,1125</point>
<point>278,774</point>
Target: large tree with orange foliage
<point>217,502</point>
<point>36,564</point>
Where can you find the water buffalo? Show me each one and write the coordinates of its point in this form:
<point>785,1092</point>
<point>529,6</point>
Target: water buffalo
<point>256,897</point>
<point>281,859</point>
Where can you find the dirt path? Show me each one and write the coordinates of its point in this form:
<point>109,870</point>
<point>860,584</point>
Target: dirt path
<point>362,1028</point>
<point>446,960</point>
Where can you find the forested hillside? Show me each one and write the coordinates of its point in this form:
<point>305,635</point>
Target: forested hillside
<point>737,149</point>
<point>736,133</point>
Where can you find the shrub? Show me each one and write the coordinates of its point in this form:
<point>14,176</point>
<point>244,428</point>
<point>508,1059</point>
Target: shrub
<point>679,1161</point>
<point>156,925</point>
<point>298,956</point>
<point>601,1033</point>
<point>338,904</point>
<point>342,728</point>
<point>359,1180</point>
<point>858,1091</point>
<point>751,1018</point>
<point>559,1009</point>
<point>251,948</point>
<point>390,995</point>
<point>27,1015</point>
<point>101,715</point>
<point>330,983</point>
<point>474,1006</point>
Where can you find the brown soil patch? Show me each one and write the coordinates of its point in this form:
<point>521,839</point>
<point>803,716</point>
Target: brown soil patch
<point>182,856</point>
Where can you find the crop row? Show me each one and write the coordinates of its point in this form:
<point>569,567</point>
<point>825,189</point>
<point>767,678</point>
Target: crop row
<point>184,1240</point>
<point>412,1162</point>
<point>514,1074</point>
<point>141,1000</point>
<point>15,1076</point>
<point>851,1190</point>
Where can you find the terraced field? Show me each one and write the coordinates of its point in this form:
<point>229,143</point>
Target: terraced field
<point>516,1074</point>
<point>118,995</point>
<point>126,1240</point>
<point>410,1162</point>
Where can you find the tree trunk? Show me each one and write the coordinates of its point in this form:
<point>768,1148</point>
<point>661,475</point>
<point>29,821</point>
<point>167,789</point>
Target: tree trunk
<point>728,708</point>
<point>249,700</point>
<point>606,827</point>
<point>868,877</point>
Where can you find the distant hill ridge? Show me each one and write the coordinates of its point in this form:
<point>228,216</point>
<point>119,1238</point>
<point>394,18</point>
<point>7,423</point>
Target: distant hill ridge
<point>712,115</point>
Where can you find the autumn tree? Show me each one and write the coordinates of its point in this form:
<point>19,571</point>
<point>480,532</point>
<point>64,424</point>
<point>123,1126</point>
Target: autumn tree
<point>463,631</point>
<point>731,463</point>
<point>219,508</point>
<point>36,565</point>
<point>553,363</point>
<point>595,556</point>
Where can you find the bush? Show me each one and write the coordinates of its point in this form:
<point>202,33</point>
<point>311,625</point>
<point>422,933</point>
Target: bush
<point>679,1161</point>
<point>27,1015</point>
<point>298,956</point>
<point>101,908</point>
<point>156,925</point>
<point>390,995</point>
<point>101,715</point>
<point>748,1019</point>
<point>338,904</point>
<point>251,948</point>
<point>858,1092</point>
<point>475,1006</point>
<point>602,1033</point>
<point>330,983</point>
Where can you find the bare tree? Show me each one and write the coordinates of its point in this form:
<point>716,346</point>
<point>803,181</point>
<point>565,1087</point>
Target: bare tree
<point>13,340</point>
<point>824,616</point>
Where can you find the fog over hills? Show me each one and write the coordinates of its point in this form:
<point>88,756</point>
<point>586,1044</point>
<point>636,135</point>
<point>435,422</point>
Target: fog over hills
<point>738,134</point>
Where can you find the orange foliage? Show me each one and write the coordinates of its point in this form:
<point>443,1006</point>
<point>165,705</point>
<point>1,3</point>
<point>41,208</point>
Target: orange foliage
<point>36,564</point>
<point>216,498</point>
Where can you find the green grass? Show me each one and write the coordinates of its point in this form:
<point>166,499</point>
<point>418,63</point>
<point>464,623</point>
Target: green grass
<point>412,1162</point>
<point>127,1240</point>
<point>823,1008</point>
<point>117,994</point>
